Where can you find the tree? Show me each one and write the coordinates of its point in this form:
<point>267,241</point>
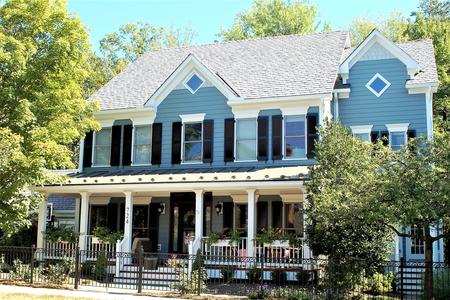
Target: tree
<point>274,17</point>
<point>43,65</point>
<point>436,9</point>
<point>121,48</point>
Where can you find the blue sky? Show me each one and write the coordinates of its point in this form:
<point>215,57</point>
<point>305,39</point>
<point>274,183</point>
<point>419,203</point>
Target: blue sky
<point>206,17</point>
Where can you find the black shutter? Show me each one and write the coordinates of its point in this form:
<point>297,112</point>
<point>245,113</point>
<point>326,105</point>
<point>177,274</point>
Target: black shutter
<point>263,137</point>
<point>411,134</point>
<point>208,140</point>
<point>384,135</point>
<point>311,126</point>
<point>374,137</point>
<point>112,217</point>
<point>127,137</point>
<point>277,131</point>
<point>176,142</point>
<point>115,145</point>
<point>229,140</point>
<point>227,214</point>
<point>87,152</point>
<point>156,143</point>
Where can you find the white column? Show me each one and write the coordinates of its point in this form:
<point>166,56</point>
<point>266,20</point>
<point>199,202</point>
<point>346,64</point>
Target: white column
<point>84,219</point>
<point>81,157</point>
<point>251,214</point>
<point>429,113</point>
<point>128,230</point>
<point>76,224</point>
<point>198,214</point>
<point>42,222</point>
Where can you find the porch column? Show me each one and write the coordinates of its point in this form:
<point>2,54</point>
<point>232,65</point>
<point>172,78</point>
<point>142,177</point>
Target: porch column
<point>128,229</point>
<point>198,214</point>
<point>42,222</point>
<point>76,225</point>
<point>84,219</point>
<point>251,214</point>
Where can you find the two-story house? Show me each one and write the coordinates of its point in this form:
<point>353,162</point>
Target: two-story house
<point>218,138</point>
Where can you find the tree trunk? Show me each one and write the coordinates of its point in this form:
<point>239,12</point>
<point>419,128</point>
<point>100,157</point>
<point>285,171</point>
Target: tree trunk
<point>428,264</point>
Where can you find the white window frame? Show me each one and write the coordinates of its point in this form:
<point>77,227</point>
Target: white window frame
<point>284,138</point>
<point>191,119</point>
<point>189,78</point>
<point>94,141</point>
<point>362,129</point>
<point>378,75</point>
<point>133,144</point>
<point>236,138</point>
<point>396,128</point>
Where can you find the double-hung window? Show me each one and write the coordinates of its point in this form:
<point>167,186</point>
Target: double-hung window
<point>246,139</point>
<point>293,218</point>
<point>102,149</point>
<point>142,145</point>
<point>192,142</point>
<point>294,137</point>
<point>362,132</point>
<point>397,135</point>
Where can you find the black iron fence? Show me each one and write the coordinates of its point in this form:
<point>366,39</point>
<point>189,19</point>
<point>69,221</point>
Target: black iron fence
<point>255,277</point>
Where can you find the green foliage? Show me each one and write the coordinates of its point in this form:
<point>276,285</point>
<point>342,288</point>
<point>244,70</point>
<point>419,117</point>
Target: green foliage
<point>101,266</point>
<point>265,237</point>
<point>235,237</point>
<point>104,235</point>
<point>61,233</point>
<point>20,271</point>
<point>441,285</point>
<point>43,111</point>
<point>212,238</point>
<point>59,272</point>
<point>261,292</point>
<point>343,189</point>
<point>274,17</point>
<point>378,283</point>
<point>254,274</point>
<point>227,275</point>
<point>278,276</point>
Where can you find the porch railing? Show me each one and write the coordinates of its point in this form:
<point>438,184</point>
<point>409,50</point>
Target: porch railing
<point>94,247</point>
<point>56,249</point>
<point>225,247</point>
<point>279,250</point>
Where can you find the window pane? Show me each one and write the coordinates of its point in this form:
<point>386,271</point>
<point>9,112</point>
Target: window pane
<point>103,137</point>
<point>143,135</point>
<point>194,83</point>
<point>193,151</point>
<point>246,150</point>
<point>293,218</point>
<point>102,147</point>
<point>246,129</point>
<point>295,147</point>
<point>295,126</point>
<point>142,154</point>
<point>378,85</point>
<point>397,139</point>
<point>362,136</point>
<point>193,132</point>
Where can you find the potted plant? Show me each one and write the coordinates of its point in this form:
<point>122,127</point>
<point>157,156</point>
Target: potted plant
<point>264,238</point>
<point>235,237</point>
<point>102,235</point>
<point>212,238</point>
<point>60,234</point>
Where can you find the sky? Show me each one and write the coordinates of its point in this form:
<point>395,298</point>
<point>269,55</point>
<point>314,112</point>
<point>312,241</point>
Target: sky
<point>207,17</point>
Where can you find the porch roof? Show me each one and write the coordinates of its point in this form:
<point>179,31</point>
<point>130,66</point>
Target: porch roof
<point>186,175</point>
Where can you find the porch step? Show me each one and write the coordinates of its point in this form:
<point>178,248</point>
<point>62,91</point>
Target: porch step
<point>161,277</point>
<point>411,282</point>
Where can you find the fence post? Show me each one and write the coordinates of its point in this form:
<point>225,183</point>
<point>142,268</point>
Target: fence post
<point>262,272</point>
<point>77,267</point>
<point>32,264</point>
<point>141,263</point>
<point>402,265</point>
<point>199,272</point>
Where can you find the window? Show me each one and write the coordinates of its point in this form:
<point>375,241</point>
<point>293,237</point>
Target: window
<point>140,220</point>
<point>378,85</point>
<point>98,217</point>
<point>142,145</point>
<point>293,218</point>
<point>397,135</point>
<point>241,217</point>
<point>294,137</point>
<point>102,148</point>
<point>194,83</point>
<point>417,245</point>
<point>246,139</point>
<point>192,145</point>
<point>362,132</point>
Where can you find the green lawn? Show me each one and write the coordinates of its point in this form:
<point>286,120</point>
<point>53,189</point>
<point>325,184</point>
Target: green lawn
<point>23,296</point>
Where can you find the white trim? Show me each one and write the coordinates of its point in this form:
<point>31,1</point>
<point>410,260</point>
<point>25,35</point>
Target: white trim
<point>397,127</point>
<point>133,131</point>
<point>429,111</point>
<point>189,78</point>
<point>192,118</point>
<point>376,37</point>
<point>235,140</point>
<point>283,135</point>
<point>292,198</point>
<point>186,67</point>
<point>375,77</point>
<point>342,93</point>
<point>361,129</point>
<point>94,140</point>
<point>182,144</point>
<point>81,156</point>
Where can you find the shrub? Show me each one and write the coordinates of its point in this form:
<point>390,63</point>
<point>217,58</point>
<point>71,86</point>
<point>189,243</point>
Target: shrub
<point>101,266</point>
<point>278,276</point>
<point>20,271</point>
<point>378,283</point>
<point>86,269</point>
<point>294,294</point>
<point>261,292</point>
<point>59,272</point>
<point>4,267</point>
<point>254,274</point>
<point>227,275</point>
<point>303,277</point>
<point>190,285</point>
<point>441,285</point>
<point>61,233</point>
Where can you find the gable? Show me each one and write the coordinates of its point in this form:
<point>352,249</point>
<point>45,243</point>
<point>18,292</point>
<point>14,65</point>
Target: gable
<point>376,52</point>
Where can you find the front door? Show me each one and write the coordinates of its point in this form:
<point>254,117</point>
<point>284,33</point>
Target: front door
<point>183,221</point>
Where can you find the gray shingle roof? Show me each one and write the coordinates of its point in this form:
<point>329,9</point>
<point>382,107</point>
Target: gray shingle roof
<point>282,66</point>
<point>269,67</point>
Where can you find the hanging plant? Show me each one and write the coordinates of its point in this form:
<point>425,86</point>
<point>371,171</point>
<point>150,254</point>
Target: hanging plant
<point>60,234</point>
<point>235,237</point>
<point>212,238</point>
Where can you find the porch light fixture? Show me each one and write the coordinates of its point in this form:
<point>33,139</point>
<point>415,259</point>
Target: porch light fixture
<point>162,208</point>
<point>219,208</point>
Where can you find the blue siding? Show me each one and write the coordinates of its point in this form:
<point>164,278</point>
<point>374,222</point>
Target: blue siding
<point>395,105</point>
<point>164,224</point>
<point>62,202</point>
